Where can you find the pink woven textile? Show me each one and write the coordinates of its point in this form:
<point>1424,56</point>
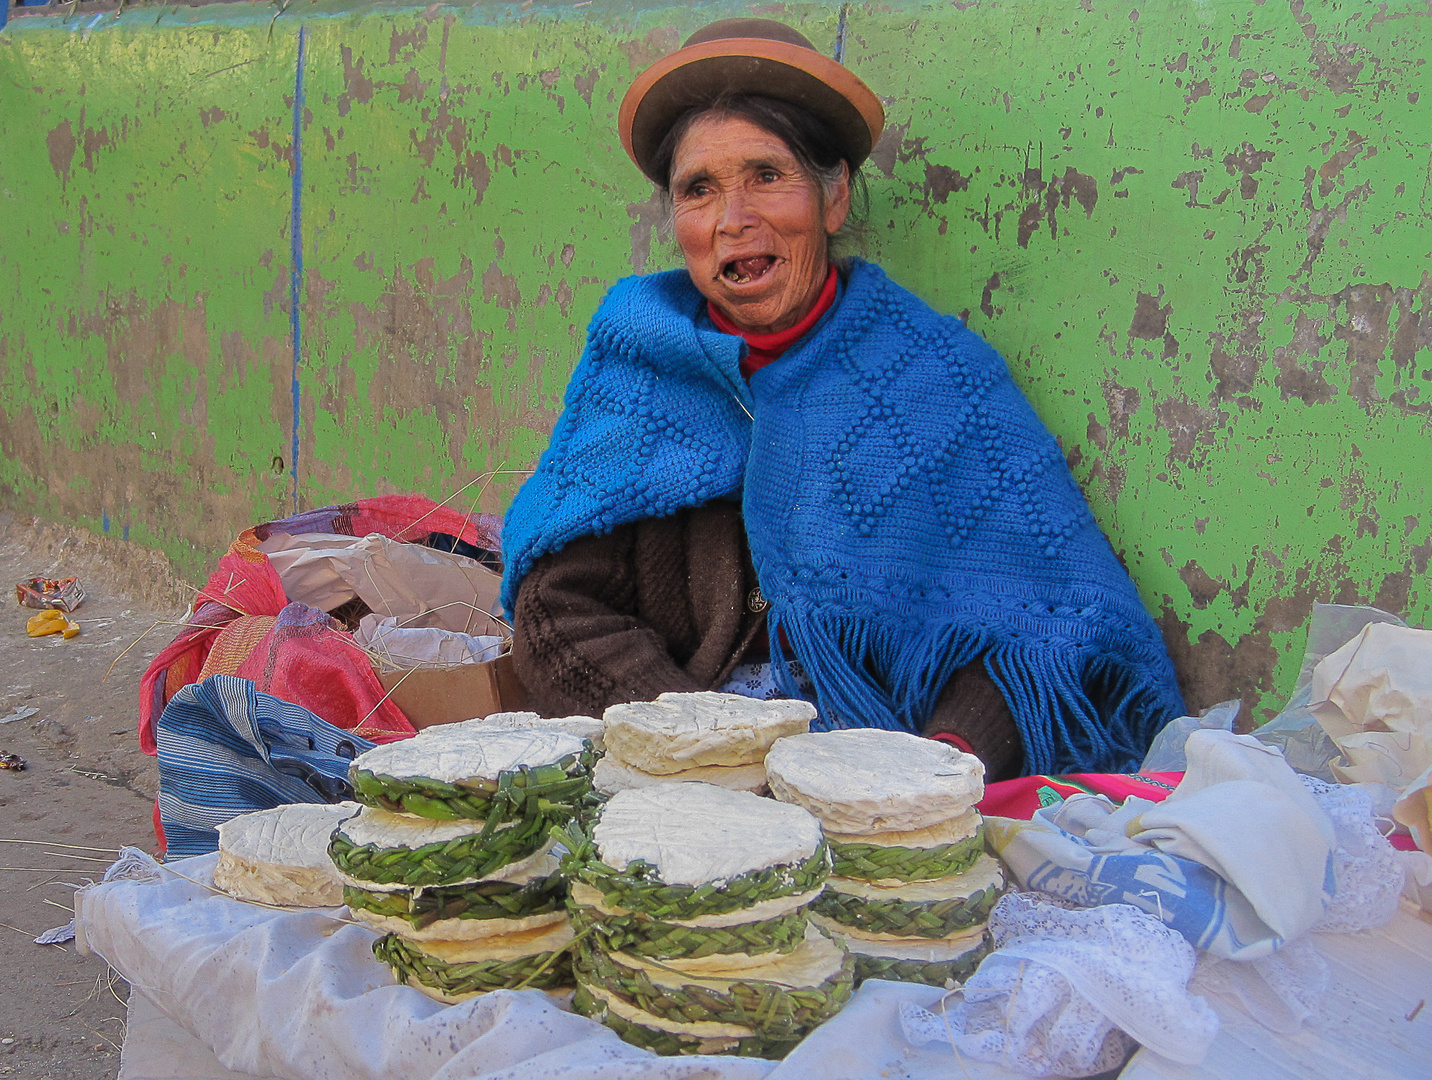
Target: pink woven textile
<point>1023,797</point>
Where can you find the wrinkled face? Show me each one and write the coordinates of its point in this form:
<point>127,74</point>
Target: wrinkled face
<point>752,223</point>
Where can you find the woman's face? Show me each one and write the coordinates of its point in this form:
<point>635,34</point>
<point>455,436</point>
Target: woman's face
<point>752,223</point>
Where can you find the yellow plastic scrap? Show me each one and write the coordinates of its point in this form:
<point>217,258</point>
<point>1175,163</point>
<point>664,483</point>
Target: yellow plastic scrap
<point>47,622</point>
<point>51,621</point>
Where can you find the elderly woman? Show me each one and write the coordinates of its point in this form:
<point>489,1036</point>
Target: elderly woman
<point>779,473</point>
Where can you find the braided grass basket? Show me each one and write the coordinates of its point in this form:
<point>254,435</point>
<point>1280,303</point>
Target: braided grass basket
<point>657,940</point>
<point>945,973</point>
<point>481,900</point>
<point>907,918</point>
<point>445,862</point>
<point>540,971</point>
<point>670,1043</point>
<point>874,862</point>
<point>767,1007</point>
<point>552,790</point>
<point>639,888</point>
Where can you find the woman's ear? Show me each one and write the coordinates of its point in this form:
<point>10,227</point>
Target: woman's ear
<point>837,207</point>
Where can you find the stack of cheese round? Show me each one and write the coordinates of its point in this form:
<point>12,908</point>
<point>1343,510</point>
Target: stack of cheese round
<point>708,737</point>
<point>691,901</point>
<point>913,886</point>
<point>451,855</point>
<point>280,856</point>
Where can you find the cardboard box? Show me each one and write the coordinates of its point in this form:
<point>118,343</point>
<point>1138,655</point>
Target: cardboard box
<point>445,695</point>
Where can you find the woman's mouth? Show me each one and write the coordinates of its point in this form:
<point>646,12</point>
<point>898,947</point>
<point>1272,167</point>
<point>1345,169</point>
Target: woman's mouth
<point>751,268</point>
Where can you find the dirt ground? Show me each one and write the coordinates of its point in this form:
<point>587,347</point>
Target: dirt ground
<point>85,791</point>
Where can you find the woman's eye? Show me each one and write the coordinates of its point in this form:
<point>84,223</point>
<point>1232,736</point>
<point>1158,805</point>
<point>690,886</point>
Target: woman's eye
<point>769,176</point>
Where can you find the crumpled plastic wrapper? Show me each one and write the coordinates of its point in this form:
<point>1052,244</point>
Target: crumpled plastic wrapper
<point>1295,731</point>
<point>62,594</point>
<point>1166,752</point>
<point>424,646</point>
<point>1373,697</point>
<point>417,585</point>
<point>1067,992</point>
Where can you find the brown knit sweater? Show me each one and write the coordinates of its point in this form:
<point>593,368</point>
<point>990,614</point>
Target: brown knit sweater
<point>673,604</point>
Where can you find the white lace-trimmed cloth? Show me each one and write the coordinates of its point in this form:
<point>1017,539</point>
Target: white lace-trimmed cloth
<point>1368,870</point>
<point>1068,991</point>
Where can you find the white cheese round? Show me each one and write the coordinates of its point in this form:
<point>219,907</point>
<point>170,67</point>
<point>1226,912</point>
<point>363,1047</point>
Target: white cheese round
<point>508,947</point>
<point>455,929</point>
<point>280,856</point>
<point>933,836</point>
<point>612,775</point>
<point>385,830</point>
<point>699,833</point>
<point>867,780</point>
<point>466,751</point>
<point>927,950</point>
<point>683,731</point>
<point>584,727</point>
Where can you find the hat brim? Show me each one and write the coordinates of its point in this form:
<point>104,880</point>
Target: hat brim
<point>693,76</point>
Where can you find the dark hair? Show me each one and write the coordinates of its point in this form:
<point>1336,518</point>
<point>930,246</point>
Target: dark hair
<point>809,138</point>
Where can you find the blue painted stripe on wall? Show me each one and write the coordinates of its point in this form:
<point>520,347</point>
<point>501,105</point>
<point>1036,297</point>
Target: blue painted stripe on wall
<point>295,279</point>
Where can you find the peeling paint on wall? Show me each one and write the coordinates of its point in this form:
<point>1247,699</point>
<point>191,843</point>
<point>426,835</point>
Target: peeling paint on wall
<point>1199,233</point>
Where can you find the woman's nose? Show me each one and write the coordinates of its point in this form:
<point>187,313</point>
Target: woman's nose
<point>736,212</point>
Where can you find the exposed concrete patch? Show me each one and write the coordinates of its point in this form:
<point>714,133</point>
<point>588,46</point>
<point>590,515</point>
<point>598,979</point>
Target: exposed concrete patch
<point>1298,376</point>
<point>1246,163</point>
<point>650,227</point>
<point>1210,669</point>
<point>1123,402</point>
<point>1190,427</point>
<point>656,43</point>
<point>427,352</point>
<point>1202,589</point>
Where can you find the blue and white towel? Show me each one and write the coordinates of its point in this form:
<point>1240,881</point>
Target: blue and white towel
<point>225,749</point>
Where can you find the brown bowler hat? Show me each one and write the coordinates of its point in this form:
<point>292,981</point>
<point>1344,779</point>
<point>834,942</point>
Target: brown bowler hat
<point>750,56</point>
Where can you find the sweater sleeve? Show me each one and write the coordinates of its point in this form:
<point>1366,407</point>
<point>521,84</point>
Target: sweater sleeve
<point>972,707</point>
<point>577,643</point>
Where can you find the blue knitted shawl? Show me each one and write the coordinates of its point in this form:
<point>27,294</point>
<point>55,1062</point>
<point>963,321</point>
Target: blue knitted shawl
<point>907,511</point>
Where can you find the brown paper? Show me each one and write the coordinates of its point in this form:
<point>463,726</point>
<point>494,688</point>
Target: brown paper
<point>446,695</point>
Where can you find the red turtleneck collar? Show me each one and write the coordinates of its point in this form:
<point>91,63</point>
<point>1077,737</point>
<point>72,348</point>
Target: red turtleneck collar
<point>762,349</point>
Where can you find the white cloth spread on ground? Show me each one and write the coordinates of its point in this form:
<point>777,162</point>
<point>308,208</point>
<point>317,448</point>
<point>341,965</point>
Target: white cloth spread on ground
<point>295,996</point>
<point>299,996</point>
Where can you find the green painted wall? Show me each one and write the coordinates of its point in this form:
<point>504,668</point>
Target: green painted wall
<point>1199,233</point>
